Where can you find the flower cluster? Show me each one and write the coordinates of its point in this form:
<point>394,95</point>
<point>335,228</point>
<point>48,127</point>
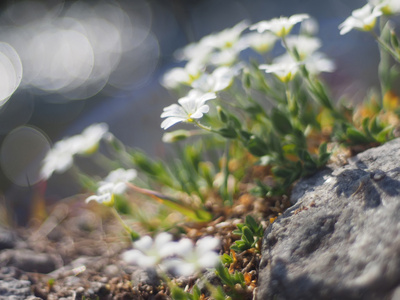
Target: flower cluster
<point>182,258</point>
<point>364,18</point>
<point>256,96</point>
<point>60,157</point>
<point>114,183</point>
<point>214,63</point>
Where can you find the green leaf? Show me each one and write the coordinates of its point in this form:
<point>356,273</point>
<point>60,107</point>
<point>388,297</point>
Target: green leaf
<point>196,292</point>
<point>281,122</point>
<point>323,148</point>
<point>248,236</point>
<point>323,159</point>
<point>275,144</point>
<point>374,126</point>
<point>226,259</point>
<point>384,135</point>
<point>221,114</point>
<point>178,294</point>
<point>228,132</point>
<point>256,146</point>
<point>282,172</point>
<point>254,227</point>
<point>356,136</point>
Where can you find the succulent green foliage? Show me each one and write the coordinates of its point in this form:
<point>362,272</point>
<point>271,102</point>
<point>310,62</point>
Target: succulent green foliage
<point>250,233</point>
<point>230,279</point>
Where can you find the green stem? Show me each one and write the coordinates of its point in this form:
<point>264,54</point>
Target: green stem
<point>203,126</point>
<point>385,46</point>
<point>226,174</point>
<point>316,89</point>
<point>133,234</point>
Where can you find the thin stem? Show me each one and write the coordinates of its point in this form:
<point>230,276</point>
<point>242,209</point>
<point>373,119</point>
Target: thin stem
<point>204,127</point>
<point>385,46</point>
<point>133,234</point>
<point>226,174</point>
<point>315,89</point>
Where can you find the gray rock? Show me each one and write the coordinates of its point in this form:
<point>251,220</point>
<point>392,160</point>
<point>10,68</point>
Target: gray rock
<point>147,276</point>
<point>8,239</point>
<point>341,238</point>
<point>14,289</point>
<point>27,260</point>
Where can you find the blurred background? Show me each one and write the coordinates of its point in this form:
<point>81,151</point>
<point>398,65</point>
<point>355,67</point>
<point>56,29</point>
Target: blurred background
<point>67,64</point>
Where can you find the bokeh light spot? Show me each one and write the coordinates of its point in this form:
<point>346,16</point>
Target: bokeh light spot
<point>10,71</point>
<point>22,153</point>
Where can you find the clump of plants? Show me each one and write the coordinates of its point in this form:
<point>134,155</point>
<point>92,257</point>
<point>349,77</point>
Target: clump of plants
<point>255,123</point>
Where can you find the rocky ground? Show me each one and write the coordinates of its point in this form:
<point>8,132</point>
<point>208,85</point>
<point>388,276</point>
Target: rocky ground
<point>337,238</point>
<point>76,254</point>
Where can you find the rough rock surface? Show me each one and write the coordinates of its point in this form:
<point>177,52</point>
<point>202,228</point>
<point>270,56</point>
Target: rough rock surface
<point>14,289</point>
<point>341,238</point>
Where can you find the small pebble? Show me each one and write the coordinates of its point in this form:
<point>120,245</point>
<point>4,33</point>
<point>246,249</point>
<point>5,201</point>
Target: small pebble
<point>377,175</point>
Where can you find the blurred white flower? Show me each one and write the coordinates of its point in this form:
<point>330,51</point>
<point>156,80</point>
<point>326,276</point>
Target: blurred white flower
<point>285,68</point>
<point>318,62</point>
<point>218,80</point>
<point>304,45</point>
<point>176,77</point>
<point>309,27</point>
<point>260,42</point>
<point>190,107</point>
<point>148,252</point>
<point>90,138</point>
<point>114,183</point>
<point>279,26</point>
<point>363,19</point>
<point>191,258</point>
<point>220,48</point>
<point>121,175</point>
<point>387,7</point>
<point>105,193</point>
<point>225,38</point>
<point>61,156</point>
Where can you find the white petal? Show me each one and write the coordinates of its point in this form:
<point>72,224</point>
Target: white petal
<point>167,123</point>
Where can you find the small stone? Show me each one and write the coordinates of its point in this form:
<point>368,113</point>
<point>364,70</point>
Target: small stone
<point>145,277</point>
<point>8,239</point>
<point>111,270</point>
<point>11,288</point>
<point>29,261</point>
<point>377,175</point>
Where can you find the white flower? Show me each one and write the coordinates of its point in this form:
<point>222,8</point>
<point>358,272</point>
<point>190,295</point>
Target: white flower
<point>363,19</point>
<point>279,26</point>
<point>90,138</point>
<point>218,80</point>
<point>121,175</point>
<point>194,51</point>
<point>182,76</point>
<point>309,27</point>
<point>219,48</point>
<point>318,62</point>
<point>193,258</point>
<point>285,68</point>
<point>149,253</point>
<point>60,158</point>
<point>114,183</point>
<point>304,45</point>
<point>387,7</point>
<point>260,42</point>
<point>190,107</point>
<point>225,38</point>
<point>105,193</point>
<point>221,40</point>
